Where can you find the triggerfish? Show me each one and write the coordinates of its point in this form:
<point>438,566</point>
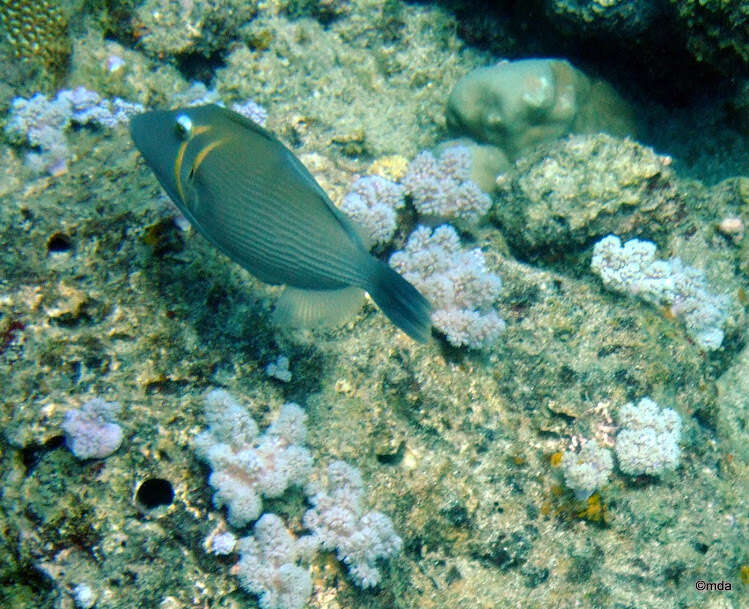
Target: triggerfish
<point>245,192</point>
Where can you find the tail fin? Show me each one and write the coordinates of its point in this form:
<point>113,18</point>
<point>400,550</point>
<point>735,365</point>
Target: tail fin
<point>400,301</point>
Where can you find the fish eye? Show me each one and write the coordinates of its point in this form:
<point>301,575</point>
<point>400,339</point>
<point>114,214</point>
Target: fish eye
<point>183,127</point>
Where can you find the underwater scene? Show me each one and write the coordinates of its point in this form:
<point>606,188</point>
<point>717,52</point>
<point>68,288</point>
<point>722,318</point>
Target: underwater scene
<point>374,304</point>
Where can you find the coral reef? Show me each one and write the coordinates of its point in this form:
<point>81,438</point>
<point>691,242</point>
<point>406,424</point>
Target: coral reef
<point>253,111</point>
<point>391,167</point>
<point>559,196</point>
<point>199,27</point>
<point>717,32</point>
<point>84,596</point>
<point>103,293</point>
<point>633,269</point>
<point>41,123</point>
<point>247,466</point>
<point>442,189</point>
<point>37,31</point>
<point>648,442</point>
<point>337,520</point>
<point>92,432</point>
<point>279,369</point>
<point>516,105</point>
<point>487,162</point>
<point>732,408</point>
<point>222,543</point>
<point>599,17</point>
<point>268,565</point>
<point>197,94</point>
<point>588,469</point>
<point>456,282</point>
<point>339,81</point>
<point>372,202</point>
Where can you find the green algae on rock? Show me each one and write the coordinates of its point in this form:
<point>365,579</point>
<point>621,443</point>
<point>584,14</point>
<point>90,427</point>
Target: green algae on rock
<point>199,28</point>
<point>717,32</point>
<point>612,17</point>
<point>584,186</point>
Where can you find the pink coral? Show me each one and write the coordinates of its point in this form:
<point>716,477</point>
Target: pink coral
<point>91,432</point>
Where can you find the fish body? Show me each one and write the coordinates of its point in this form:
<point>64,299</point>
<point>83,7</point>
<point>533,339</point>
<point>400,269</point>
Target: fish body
<point>245,192</point>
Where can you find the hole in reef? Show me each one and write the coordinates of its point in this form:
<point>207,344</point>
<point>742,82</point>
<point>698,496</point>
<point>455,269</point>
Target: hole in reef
<point>154,492</point>
<point>196,66</point>
<point>58,243</point>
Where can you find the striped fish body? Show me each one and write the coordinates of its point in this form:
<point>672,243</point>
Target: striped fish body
<point>251,197</point>
<point>245,192</point>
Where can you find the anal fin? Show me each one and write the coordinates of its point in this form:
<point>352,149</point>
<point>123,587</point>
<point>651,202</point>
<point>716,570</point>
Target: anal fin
<point>299,308</point>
